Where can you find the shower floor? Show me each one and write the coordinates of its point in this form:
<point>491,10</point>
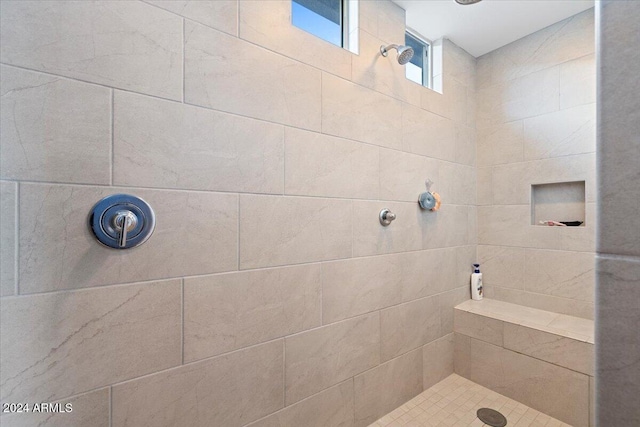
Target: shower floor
<point>453,402</point>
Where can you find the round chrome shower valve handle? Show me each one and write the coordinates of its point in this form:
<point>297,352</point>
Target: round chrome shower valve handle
<point>386,216</point>
<point>122,221</point>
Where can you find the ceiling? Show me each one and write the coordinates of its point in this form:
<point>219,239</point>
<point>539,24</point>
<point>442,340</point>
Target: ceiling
<point>482,27</point>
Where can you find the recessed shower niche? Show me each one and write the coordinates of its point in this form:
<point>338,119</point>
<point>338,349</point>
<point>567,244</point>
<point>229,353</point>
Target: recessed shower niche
<point>560,202</point>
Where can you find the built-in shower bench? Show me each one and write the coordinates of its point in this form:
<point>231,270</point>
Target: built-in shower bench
<point>540,358</point>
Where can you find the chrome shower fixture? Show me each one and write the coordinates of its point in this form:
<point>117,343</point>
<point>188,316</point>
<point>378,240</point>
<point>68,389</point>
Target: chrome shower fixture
<point>467,2</point>
<point>405,53</point>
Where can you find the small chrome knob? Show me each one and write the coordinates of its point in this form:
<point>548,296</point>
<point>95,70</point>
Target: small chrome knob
<point>386,216</point>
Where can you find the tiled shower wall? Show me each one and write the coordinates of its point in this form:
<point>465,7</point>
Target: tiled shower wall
<point>269,292</point>
<point>536,125</point>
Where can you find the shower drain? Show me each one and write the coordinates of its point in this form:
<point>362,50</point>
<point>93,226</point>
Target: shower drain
<point>491,417</point>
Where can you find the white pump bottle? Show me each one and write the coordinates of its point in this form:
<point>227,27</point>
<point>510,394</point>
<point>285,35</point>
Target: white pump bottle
<point>476,283</point>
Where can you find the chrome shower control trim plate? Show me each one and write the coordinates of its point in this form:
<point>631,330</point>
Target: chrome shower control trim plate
<point>122,221</point>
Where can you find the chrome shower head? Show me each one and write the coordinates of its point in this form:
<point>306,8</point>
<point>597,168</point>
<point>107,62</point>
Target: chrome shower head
<point>405,53</point>
<point>467,2</point>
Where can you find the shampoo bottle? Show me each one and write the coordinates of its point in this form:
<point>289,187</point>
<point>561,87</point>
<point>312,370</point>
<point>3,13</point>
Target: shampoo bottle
<point>476,283</point>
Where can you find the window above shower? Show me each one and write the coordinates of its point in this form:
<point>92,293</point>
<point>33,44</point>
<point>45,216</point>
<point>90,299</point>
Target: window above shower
<point>335,21</point>
<point>419,69</point>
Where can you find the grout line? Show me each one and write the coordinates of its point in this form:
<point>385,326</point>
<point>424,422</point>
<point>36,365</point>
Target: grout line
<point>284,372</point>
<point>110,406</point>
<point>238,236</point>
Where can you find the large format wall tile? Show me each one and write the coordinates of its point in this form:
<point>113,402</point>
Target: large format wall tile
<point>437,360</point>
<point>54,129</point>
<point>384,20</point>
<point>355,112</point>
<point>370,238</point>
<point>559,392</point>
<point>8,231</point>
<point>356,286</point>
<point>128,45</point>
<point>555,304</point>
<point>90,409</point>
<point>164,144</point>
<point>478,326</point>
<point>268,24</point>
<point>408,326</point>
<point>502,266</point>
<point>88,338</point>
<point>322,165</point>
<point>322,357</point>
<point>219,14</point>
<point>291,230</point>
<point>230,390</point>
<point>578,82</point>
<point>563,41</point>
<point>196,233</point>
<point>332,407</point>
<point>406,183</point>
<point>229,74</point>
<point>569,353</point>
<point>526,96</point>
<point>562,133</point>
<point>230,311</point>
<point>502,143</point>
<point>560,273</point>
<point>387,386</point>
<point>618,361</point>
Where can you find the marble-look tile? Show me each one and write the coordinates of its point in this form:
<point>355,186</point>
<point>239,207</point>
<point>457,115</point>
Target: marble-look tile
<point>466,145</point>
<point>69,332</point>
<point>54,129</point>
<point>544,302</point>
<point>54,257</point>
<point>502,266</point>
<point>374,71</point>
<point>8,233</point>
<point>408,326</point>
<point>502,143</point>
<point>578,82</point>
<point>230,390</point>
<point>164,144</point>
<point>484,186</point>
<point>90,409</point>
<point>268,24</point>
<point>619,127</point>
<point>322,165</point>
<point>563,133</point>
<point>462,355</point>
<point>428,134</point>
<point>560,273</point>
<point>383,19</point>
<point>320,358</point>
<point>509,312</point>
<point>371,238</point>
<point>512,182</point>
<point>569,353</point>
<point>473,226</point>
<point>219,14</point>
<point>437,360</point>
<point>437,102</point>
<point>583,238</point>
<point>510,225</point>
<point>447,301</point>
<point>118,44</point>
<point>305,230</point>
<point>429,272</point>
<point>478,326</point>
<point>566,40</point>
<point>466,256</point>
<point>457,183</point>
<point>387,386</point>
<point>445,228</point>
<point>458,64</point>
<point>574,325</point>
<point>355,112</point>
<point>226,312</point>
<point>556,391</point>
<point>527,96</point>
<point>332,407</point>
<point>408,182</point>
<point>229,74</point>
<point>356,286</point>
